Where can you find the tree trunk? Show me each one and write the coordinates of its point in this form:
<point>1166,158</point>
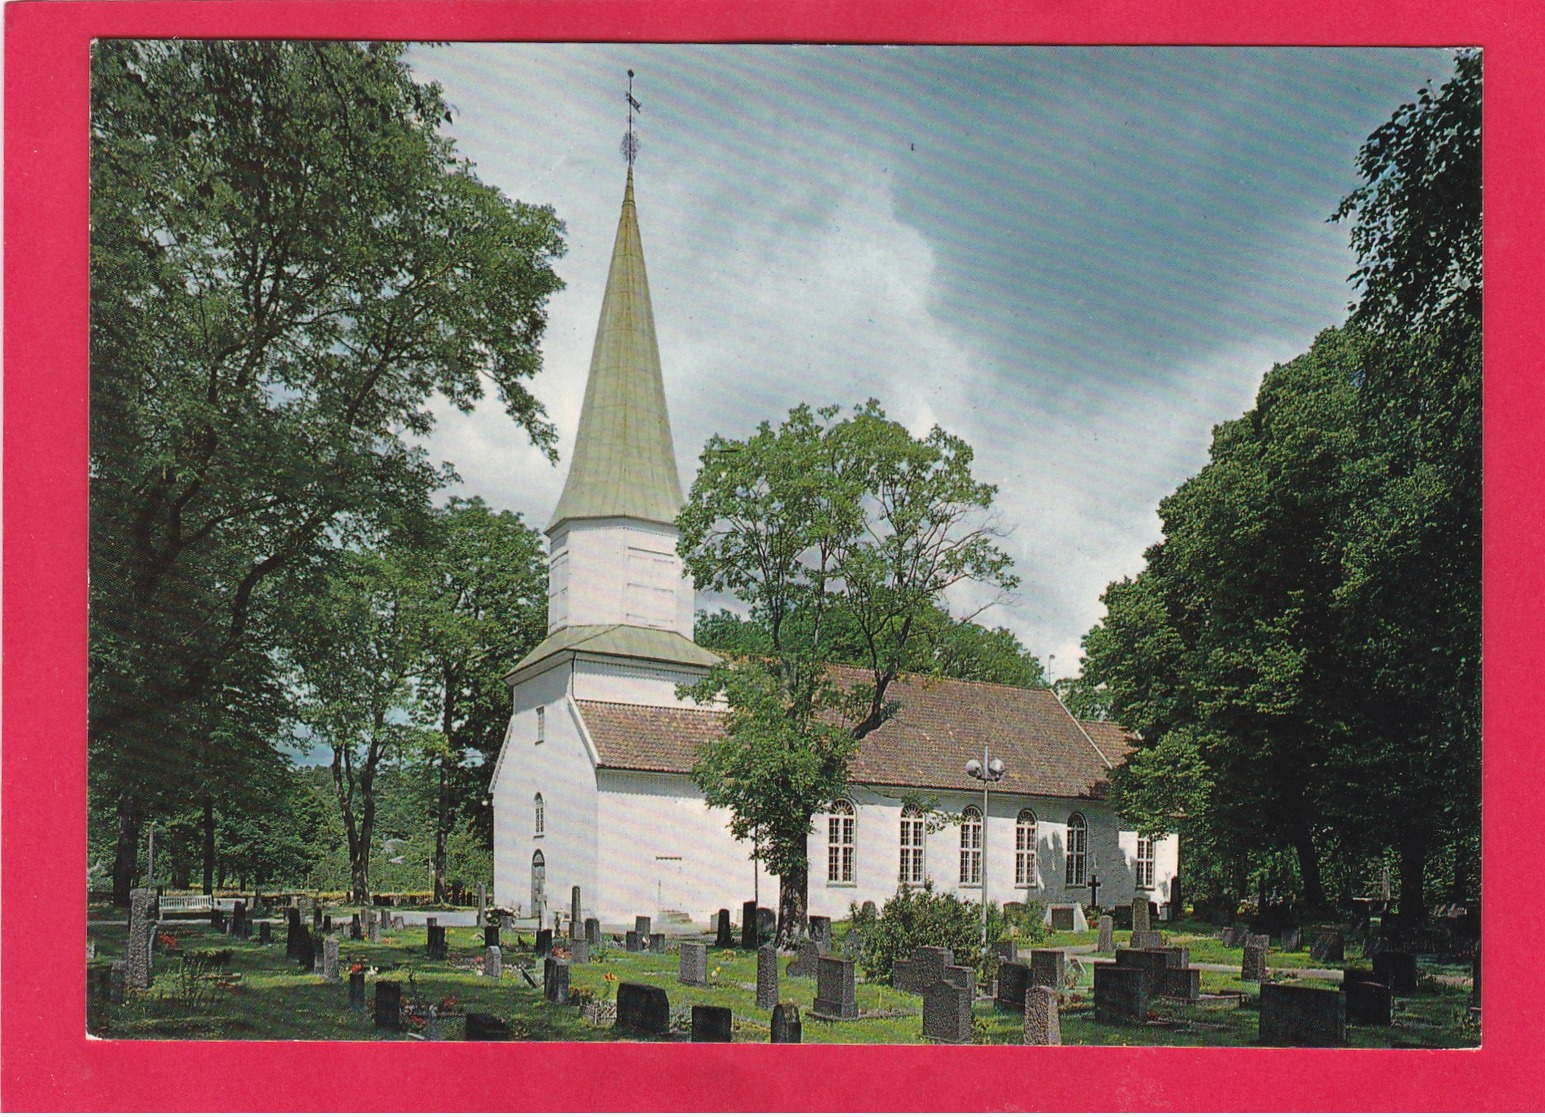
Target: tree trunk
<point>209,844</point>
<point>440,828</point>
<point>126,854</point>
<point>1309,870</point>
<point>793,902</point>
<point>1413,879</point>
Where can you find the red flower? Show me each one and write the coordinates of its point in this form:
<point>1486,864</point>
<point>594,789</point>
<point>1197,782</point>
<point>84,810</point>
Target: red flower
<point>168,941</point>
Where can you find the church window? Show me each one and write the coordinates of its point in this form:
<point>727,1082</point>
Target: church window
<point>1078,850</point>
<point>652,579</point>
<point>558,592</point>
<point>911,846</point>
<point>1024,849</point>
<point>971,846</point>
<point>541,816</point>
<point>1144,862</point>
<point>839,843</point>
<point>541,724</point>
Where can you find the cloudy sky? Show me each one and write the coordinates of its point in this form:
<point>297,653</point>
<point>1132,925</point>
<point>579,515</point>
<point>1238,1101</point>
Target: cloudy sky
<point>1079,260</point>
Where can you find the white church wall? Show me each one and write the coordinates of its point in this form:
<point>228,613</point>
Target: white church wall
<point>663,849</point>
<point>618,571</point>
<point>641,684</point>
<point>558,767</point>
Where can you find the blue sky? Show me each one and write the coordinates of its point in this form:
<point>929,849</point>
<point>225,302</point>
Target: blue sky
<point>1078,259</point>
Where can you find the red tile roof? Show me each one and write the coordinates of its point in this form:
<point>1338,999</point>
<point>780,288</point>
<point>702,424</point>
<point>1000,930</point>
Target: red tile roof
<point>940,725</point>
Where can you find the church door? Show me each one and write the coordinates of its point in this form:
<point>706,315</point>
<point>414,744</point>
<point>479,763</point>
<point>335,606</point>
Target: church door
<point>538,883</point>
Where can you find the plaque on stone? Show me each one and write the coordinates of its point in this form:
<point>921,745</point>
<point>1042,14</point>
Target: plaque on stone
<point>1369,1003</point>
<point>711,1024</point>
<point>692,966</point>
<point>722,936</point>
<point>1253,968</point>
<point>593,932</point>
<point>1328,946</point>
<point>485,1027</point>
<point>388,1008</point>
<point>946,1013</point>
<point>1048,967</point>
<point>767,976</point>
<point>643,1008</point>
<point>1043,1021</point>
<point>785,1024</point>
<point>1013,980</point>
<point>1302,1016</point>
<point>1140,913</point>
<point>1120,995</point>
<point>641,925</point>
<point>748,940</point>
<point>1107,935</point>
<point>804,963</point>
<point>835,998</point>
<point>493,963</point>
<point>1396,969</point>
<point>544,942</point>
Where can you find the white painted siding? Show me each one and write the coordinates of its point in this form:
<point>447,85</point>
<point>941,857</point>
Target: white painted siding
<point>619,571</point>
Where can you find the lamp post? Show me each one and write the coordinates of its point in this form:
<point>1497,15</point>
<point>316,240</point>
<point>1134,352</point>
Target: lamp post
<point>989,770</point>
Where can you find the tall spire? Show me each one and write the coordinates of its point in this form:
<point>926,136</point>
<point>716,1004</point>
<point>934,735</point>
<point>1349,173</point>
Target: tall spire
<point>624,463</point>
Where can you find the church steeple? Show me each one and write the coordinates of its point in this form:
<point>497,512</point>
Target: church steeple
<point>624,462</point>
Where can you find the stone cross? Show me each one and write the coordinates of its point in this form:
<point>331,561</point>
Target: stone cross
<point>493,963</point>
<point>834,994</point>
<point>1107,935</point>
<point>142,934</point>
<point>1043,1024</point>
<point>693,964</point>
<point>330,959</point>
<point>785,1024</point>
<point>767,976</point>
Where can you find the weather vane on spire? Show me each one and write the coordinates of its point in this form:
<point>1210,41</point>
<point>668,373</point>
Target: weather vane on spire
<point>630,141</point>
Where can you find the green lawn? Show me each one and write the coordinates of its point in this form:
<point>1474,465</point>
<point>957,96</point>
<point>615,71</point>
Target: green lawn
<point>268,997</point>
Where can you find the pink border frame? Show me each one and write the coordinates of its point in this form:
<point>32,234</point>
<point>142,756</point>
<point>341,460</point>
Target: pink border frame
<point>47,1062</point>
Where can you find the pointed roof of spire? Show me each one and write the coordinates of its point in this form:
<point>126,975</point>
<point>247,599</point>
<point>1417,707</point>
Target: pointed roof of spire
<point>624,463</point>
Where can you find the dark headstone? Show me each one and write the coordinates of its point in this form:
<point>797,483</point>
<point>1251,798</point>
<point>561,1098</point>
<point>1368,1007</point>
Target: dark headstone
<point>834,994</point>
<point>1260,942</point>
<point>330,959</point>
<point>711,1024</point>
<point>1181,985</point>
<point>748,939</point>
<point>490,934</point>
<point>1176,897</point>
<point>292,931</point>
<point>821,932</point>
<point>593,931</point>
<point>1043,1023</point>
<point>766,925</point>
<point>1230,937</point>
<point>1147,940</point>
<point>1369,1003</point>
<point>327,925</point>
<point>1013,980</point>
<point>657,942</point>
<point>643,1008</point>
<point>722,936</point>
<point>906,975</point>
<point>1048,968</point>
<point>239,925</point>
<point>436,946</point>
<point>306,950</point>
<point>786,1027</point>
<point>634,946</point>
<point>1292,939</point>
<point>1328,946</point>
<point>388,1010</point>
<point>1301,1016</point>
<point>357,991</point>
<point>1107,935</point>
<point>544,942</point>
<point>930,965</point>
<point>574,912</point>
<point>961,977</point>
<point>692,967</point>
<point>265,933</point>
<point>1006,950</point>
<point>641,925</point>
<point>1120,995</point>
<point>555,981</point>
<point>485,1027</point>
<point>1253,968</point>
<point>946,1013</point>
<point>767,976</point>
<point>356,932</point>
<point>805,960</point>
<point>1397,969</point>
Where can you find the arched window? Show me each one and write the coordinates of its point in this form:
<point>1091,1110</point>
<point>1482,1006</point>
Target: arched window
<point>541,816</point>
<point>538,882</point>
<point>1144,862</point>
<point>970,846</point>
<point>839,843</point>
<point>1078,851</point>
<point>911,846</point>
<point>1024,849</point>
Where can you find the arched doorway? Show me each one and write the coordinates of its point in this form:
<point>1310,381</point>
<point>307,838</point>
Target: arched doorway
<point>538,883</point>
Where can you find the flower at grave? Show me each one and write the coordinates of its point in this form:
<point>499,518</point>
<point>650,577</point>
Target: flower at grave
<point>447,1003</point>
<point>168,942</point>
<point>728,956</point>
<point>356,968</point>
<point>417,1021</point>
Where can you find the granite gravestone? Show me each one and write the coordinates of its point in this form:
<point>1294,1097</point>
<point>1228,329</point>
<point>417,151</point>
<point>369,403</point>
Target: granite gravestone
<point>484,1027</point>
<point>240,927</point>
<point>1328,946</point>
<point>711,1024</point>
<point>357,991</point>
<point>1369,1003</point>
<point>117,983</point>
<point>1292,939</point>
<point>493,963</point>
<point>292,932</point>
<point>1006,950</point>
<point>722,936</point>
<point>804,963</point>
<point>579,952</point>
<point>1230,937</point>
<point>657,942</point>
<point>867,911</point>
<point>961,977</point>
<point>1120,995</point>
<point>821,932</point>
<point>1107,935</point>
<point>1043,1022</point>
<point>1048,967</point>
<point>436,945</point>
<point>306,950</point>
<point>641,925</point>
<point>593,932</point>
<point>643,1008</point>
<point>946,1013</point>
<point>1013,980</point>
<point>766,925</point>
<point>1396,969</point>
<point>574,913</point>
<point>834,994</point>
<point>544,942</point>
<point>142,935</point>
<point>330,960</point>
<point>748,940</point>
<point>1253,968</point>
<point>555,981</point>
<point>1147,940</point>
<point>265,933</point>
<point>491,934</point>
<point>786,1027</point>
<point>634,946</point>
<point>692,966</point>
<point>327,925</point>
<point>1301,1016</point>
<point>356,931</point>
<point>1140,914</point>
<point>388,1008</point>
<point>766,976</point>
<point>482,905</point>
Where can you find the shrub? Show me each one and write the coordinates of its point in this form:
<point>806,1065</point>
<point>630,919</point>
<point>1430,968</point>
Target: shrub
<point>916,917</point>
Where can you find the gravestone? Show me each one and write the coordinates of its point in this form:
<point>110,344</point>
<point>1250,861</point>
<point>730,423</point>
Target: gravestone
<point>1120,995</point>
<point>722,936</point>
<point>316,918</point>
<point>490,935</point>
<point>643,1008</point>
<point>544,942</point>
<point>1230,937</point>
<point>633,943</point>
<point>357,991</point>
<point>579,952</point>
<point>117,983</point>
<point>1006,950</point>
<point>1176,897</point>
<point>961,977</point>
<point>748,940</point>
<point>1013,981</point>
<point>1140,914</point>
<point>1061,917</point>
<point>318,955</point>
<point>265,933</point>
<point>239,925</point>
<point>1261,941</point>
<point>327,925</point>
<point>1048,967</point>
<point>356,932</point>
<point>868,911</point>
<point>1328,946</point>
<point>692,966</point>
<point>946,1013</point>
<point>766,925</point>
<point>574,912</point>
<point>1253,968</point>
<point>142,937</point>
<point>1369,1003</point>
<point>1292,939</point>
<point>1301,1016</point>
<point>388,1008</point>
<point>484,1027</point>
<point>834,994</point>
<point>306,950</point>
<point>372,925</point>
<point>1107,935</point>
<point>1397,969</point>
<point>330,960</point>
<point>292,932</point>
<point>1182,984</point>
<point>804,963</point>
<point>1147,940</point>
<point>932,962</point>
<point>657,942</point>
<point>766,976</point>
<point>436,944</point>
<point>641,925</point>
<point>1043,1022</point>
<point>555,981</point>
<point>493,963</point>
<point>785,1024</point>
<point>821,932</point>
<point>593,932</point>
<point>711,1024</point>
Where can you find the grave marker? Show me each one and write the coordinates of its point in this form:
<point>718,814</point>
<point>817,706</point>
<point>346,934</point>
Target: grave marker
<point>1048,967</point>
<point>292,932</point>
<point>544,942</point>
<point>142,933</point>
<point>946,1013</point>
<point>388,1007</point>
<point>1147,940</point>
<point>1043,1022</point>
<point>574,913</point>
<point>834,996</point>
<point>239,925</point>
<point>356,933</point>
<point>767,976</point>
<point>1140,914</point>
<point>1328,946</point>
<point>305,950</point>
<point>482,903</point>
<point>1107,935</point>
<point>766,925</point>
<point>490,935</point>
<point>804,963</point>
<point>1369,1003</point>
<point>265,933</point>
<point>493,963</point>
<point>1120,995</point>
<point>1007,950</point>
<point>1301,1016</point>
<point>657,942</point>
<point>748,940</point>
<point>555,981</point>
<point>641,925</point>
<point>722,937</point>
<point>692,967</point>
<point>593,932</point>
<point>643,1008</point>
<point>1292,939</point>
<point>1013,981</point>
<point>711,1024</point>
<point>1253,968</point>
<point>579,952</point>
<point>786,1027</point>
<point>633,943</point>
<point>1397,969</point>
<point>483,1027</point>
<point>330,960</point>
<point>357,991</point>
<point>821,932</point>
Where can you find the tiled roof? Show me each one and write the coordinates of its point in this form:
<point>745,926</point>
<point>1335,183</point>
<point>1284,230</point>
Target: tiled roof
<point>1114,741</point>
<point>941,724</point>
<point>633,641</point>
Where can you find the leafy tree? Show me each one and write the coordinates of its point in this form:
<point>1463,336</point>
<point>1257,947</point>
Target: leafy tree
<point>288,261</point>
<point>822,526</point>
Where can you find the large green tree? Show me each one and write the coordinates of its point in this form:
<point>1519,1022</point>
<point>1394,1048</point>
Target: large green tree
<point>823,526</point>
<point>288,262</point>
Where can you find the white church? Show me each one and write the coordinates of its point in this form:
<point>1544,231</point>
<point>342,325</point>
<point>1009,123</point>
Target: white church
<point>593,788</point>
